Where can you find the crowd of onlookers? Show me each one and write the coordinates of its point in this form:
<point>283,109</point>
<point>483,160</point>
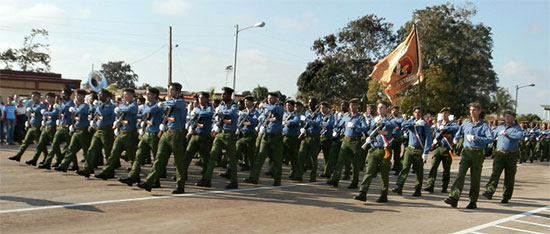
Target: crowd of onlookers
<point>12,119</point>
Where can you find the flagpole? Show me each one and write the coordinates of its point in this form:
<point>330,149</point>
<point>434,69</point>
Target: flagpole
<point>418,60</point>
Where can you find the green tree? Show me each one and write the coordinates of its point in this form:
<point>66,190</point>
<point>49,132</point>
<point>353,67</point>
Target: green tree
<point>528,118</point>
<point>120,74</point>
<point>246,93</point>
<point>345,59</point>
<point>456,61</point>
<point>145,86</point>
<point>501,101</point>
<point>260,93</point>
<point>34,56</point>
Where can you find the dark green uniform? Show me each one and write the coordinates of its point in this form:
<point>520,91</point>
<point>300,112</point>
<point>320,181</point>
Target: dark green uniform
<point>61,136</point>
<point>46,136</point>
<point>33,133</point>
<point>102,139</point>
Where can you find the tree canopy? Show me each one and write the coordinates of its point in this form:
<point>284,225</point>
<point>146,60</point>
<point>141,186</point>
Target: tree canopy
<point>34,56</point>
<point>120,74</point>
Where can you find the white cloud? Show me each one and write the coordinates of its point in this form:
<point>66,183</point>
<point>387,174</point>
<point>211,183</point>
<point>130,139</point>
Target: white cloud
<point>305,22</point>
<point>39,13</point>
<point>170,7</point>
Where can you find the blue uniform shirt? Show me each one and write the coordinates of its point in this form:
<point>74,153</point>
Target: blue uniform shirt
<point>313,120</point>
<point>277,112</point>
<point>510,141</point>
<point>398,132</point>
<point>65,115</point>
<point>35,109</point>
<point>327,124</point>
<point>386,140</point>
<point>205,118</point>
<point>419,136</point>
<point>107,113</point>
<point>291,124</point>
<point>179,113</point>
<point>448,130</point>
<point>231,112</point>
<point>130,115</point>
<point>359,124</point>
<point>81,111</point>
<point>155,116</point>
<point>51,116</point>
<point>251,117</point>
<point>480,130</point>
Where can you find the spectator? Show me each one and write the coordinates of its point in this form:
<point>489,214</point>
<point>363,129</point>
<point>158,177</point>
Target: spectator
<point>9,117</point>
<point>20,119</point>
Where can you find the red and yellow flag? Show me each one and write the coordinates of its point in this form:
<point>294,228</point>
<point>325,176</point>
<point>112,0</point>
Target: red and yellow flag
<point>401,68</point>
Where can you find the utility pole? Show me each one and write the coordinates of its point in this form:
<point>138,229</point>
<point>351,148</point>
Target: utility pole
<point>170,58</point>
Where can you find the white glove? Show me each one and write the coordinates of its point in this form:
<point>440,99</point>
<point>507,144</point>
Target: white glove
<point>368,141</point>
<point>97,103</point>
<point>470,138</point>
<point>162,127</point>
<point>29,109</point>
<point>92,124</point>
<point>340,115</point>
<point>261,118</point>
<point>56,106</point>
<point>434,142</point>
<point>57,122</point>
<point>27,124</point>
<point>405,135</point>
<point>141,131</point>
<point>262,129</point>
<point>284,123</point>
<point>455,141</point>
<point>302,117</point>
<point>42,111</point>
<point>334,134</point>
<point>302,130</point>
<point>142,124</point>
<point>420,122</point>
<point>490,145</point>
<point>350,125</point>
<point>238,131</point>
<point>526,139</point>
<point>424,158</point>
<point>116,132</point>
<point>160,104</point>
<point>216,128</point>
<point>71,128</point>
<point>71,109</point>
<point>117,110</point>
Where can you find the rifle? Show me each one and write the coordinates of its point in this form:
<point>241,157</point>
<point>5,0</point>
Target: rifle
<point>240,125</point>
<point>373,134</point>
<point>167,114</point>
<point>191,126</point>
<point>439,138</point>
<point>308,125</point>
<point>143,124</point>
<point>118,122</point>
<point>265,124</point>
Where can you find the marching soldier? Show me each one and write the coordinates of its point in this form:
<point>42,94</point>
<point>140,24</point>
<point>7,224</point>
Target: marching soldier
<point>64,119</point>
<point>310,144</point>
<point>355,125</point>
<point>337,138</point>
<point>271,141</point>
<point>378,157</point>
<point>545,143</point>
<point>48,129</point>
<point>523,143</point>
<point>80,138</point>
<point>508,135</point>
<point>398,139</point>
<point>442,147</point>
<point>291,130</point>
<point>200,132</point>
<point>127,139</point>
<point>103,135</point>
<point>172,140</point>
<point>149,129</point>
<point>416,152</point>
<point>532,134</point>
<point>33,125</point>
<point>246,145</point>
<point>225,137</point>
<point>327,125</point>
<point>477,135</point>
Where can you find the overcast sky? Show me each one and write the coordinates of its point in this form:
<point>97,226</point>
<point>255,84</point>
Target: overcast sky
<point>83,33</point>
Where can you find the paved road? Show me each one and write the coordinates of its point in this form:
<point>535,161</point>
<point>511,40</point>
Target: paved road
<point>35,200</point>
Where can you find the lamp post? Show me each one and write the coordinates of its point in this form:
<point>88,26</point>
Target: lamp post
<point>237,30</point>
<point>517,88</point>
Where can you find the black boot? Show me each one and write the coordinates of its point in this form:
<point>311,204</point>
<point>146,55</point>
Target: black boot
<point>429,189</point>
<point>83,173</point>
<point>471,205</point>
<point>333,183</point>
<point>203,183</point>
<point>15,158</point>
<point>488,195</point>
<point>382,199</point>
<point>417,193</point>
<point>178,190</point>
<point>361,197</point>
<point>145,186</point>
<point>31,162</point>
<point>451,201</point>
<point>129,181</point>
<point>232,186</point>
<point>398,190</point>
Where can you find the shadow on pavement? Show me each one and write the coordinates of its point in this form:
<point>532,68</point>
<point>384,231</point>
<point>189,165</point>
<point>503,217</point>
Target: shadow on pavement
<point>44,202</point>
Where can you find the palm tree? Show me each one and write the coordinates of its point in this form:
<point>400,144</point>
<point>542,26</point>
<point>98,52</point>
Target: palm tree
<point>501,100</point>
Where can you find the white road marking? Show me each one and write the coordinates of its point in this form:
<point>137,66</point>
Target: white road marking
<point>527,222</point>
<point>477,232</point>
<point>517,229</point>
<point>156,197</point>
<point>496,222</point>
<point>538,216</point>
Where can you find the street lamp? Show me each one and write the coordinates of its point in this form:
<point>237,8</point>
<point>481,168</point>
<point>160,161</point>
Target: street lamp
<point>237,30</point>
<point>517,88</point>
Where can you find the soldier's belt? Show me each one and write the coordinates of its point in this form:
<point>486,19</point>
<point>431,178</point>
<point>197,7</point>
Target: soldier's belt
<point>507,152</point>
<point>312,134</point>
<point>249,134</point>
<point>151,133</point>
<point>473,149</point>
<point>174,131</point>
<point>125,131</point>
<point>272,134</point>
<point>81,129</point>
<point>414,147</point>
<point>352,138</point>
<point>64,126</point>
<point>105,127</point>
<point>228,131</point>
